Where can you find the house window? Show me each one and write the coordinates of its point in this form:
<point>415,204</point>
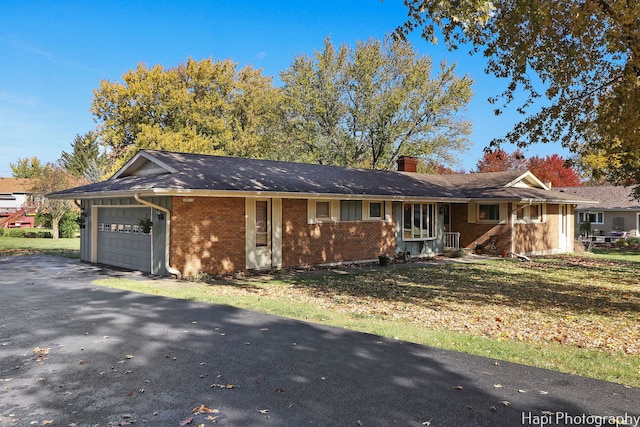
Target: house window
<point>534,213</point>
<point>489,212</point>
<point>592,217</point>
<point>350,210</point>
<point>529,213</point>
<point>322,210</point>
<point>376,210</point>
<point>418,221</point>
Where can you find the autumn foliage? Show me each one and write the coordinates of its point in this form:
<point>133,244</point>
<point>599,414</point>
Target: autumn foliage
<point>551,168</point>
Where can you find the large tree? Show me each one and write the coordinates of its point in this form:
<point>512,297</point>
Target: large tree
<point>203,106</point>
<point>367,105</point>
<point>53,178</point>
<point>28,167</point>
<point>551,169</point>
<point>85,160</point>
<point>583,56</point>
<point>499,160</point>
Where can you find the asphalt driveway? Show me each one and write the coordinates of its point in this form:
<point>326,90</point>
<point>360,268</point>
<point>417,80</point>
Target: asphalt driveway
<point>76,354</point>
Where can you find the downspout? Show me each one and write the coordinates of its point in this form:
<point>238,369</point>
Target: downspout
<point>167,213</point>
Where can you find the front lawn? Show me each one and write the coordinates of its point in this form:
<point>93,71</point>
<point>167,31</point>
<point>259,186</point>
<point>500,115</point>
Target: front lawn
<point>24,245</point>
<point>578,315</point>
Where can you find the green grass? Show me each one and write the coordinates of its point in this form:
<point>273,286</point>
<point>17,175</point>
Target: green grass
<point>579,315</point>
<point>628,255</point>
<point>22,245</point>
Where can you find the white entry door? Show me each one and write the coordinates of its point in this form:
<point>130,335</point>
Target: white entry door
<point>258,237</point>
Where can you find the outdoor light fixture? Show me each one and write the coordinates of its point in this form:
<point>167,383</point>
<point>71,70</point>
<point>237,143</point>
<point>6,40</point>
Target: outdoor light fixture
<point>160,215</point>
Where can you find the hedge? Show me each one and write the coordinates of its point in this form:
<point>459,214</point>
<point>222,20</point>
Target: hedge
<point>27,233</point>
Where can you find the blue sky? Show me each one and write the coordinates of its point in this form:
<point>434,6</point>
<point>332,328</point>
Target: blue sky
<point>53,54</point>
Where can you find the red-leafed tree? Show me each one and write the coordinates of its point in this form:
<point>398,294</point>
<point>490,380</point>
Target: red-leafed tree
<point>553,169</point>
<point>499,160</point>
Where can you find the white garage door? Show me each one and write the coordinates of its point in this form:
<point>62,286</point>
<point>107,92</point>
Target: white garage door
<point>121,242</point>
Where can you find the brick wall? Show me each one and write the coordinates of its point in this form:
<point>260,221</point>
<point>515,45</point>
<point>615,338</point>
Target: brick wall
<point>308,244</point>
<point>207,235</point>
<point>495,237</point>
<point>538,238</point>
<point>527,238</point>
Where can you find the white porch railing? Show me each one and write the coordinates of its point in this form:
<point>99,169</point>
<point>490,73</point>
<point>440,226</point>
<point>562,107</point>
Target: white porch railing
<point>452,240</point>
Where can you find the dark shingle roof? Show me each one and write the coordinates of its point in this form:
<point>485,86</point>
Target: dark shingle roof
<point>611,197</point>
<point>204,173</point>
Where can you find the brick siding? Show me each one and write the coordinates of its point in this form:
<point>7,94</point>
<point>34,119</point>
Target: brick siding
<point>496,237</point>
<point>308,244</point>
<point>528,238</point>
<point>207,235</point>
<point>538,238</point>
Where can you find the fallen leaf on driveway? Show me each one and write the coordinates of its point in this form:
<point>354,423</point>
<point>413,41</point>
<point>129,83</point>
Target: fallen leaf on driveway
<point>41,352</point>
<point>186,421</point>
<point>203,409</point>
<point>227,386</point>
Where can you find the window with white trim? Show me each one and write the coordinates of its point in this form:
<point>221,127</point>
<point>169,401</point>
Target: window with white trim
<point>376,210</point>
<point>529,213</point>
<point>323,210</point>
<point>489,212</point>
<point>350,210</point>
<point>418,221</point>
<point>592,217</point>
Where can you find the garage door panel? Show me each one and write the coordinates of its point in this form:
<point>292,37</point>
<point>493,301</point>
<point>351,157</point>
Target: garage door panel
<point>119,241</point>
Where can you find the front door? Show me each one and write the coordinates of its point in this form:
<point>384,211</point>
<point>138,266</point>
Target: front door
<point>258,236</point>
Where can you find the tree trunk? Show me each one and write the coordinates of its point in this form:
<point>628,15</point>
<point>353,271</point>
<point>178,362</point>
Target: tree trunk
<point>55,224</point>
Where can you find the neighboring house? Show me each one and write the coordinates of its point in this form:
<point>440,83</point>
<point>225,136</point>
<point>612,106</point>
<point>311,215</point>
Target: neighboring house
<point>15,211</point>
<point>222,214</point>
<point>616,215</point>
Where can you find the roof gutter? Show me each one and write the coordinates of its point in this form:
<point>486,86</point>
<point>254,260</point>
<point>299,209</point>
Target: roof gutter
<point>167,212</point>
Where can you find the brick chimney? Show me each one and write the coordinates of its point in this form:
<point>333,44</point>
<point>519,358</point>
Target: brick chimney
<point>407,164</point>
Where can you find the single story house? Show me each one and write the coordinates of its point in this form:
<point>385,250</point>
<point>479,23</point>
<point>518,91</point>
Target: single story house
<point>15,210</point>
<point>616,215</point>
<point>219,214</point>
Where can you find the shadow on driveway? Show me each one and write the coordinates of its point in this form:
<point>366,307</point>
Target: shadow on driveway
<point>76,354</point>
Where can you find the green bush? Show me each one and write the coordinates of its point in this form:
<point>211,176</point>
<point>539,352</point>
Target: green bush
<point>622,243</point>
<point>26,233</point>
<point>634,240</point>
<point>43,220</point>
<point>68,226</point>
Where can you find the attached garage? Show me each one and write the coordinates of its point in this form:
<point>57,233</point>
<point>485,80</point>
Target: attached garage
<point>120,241</point>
